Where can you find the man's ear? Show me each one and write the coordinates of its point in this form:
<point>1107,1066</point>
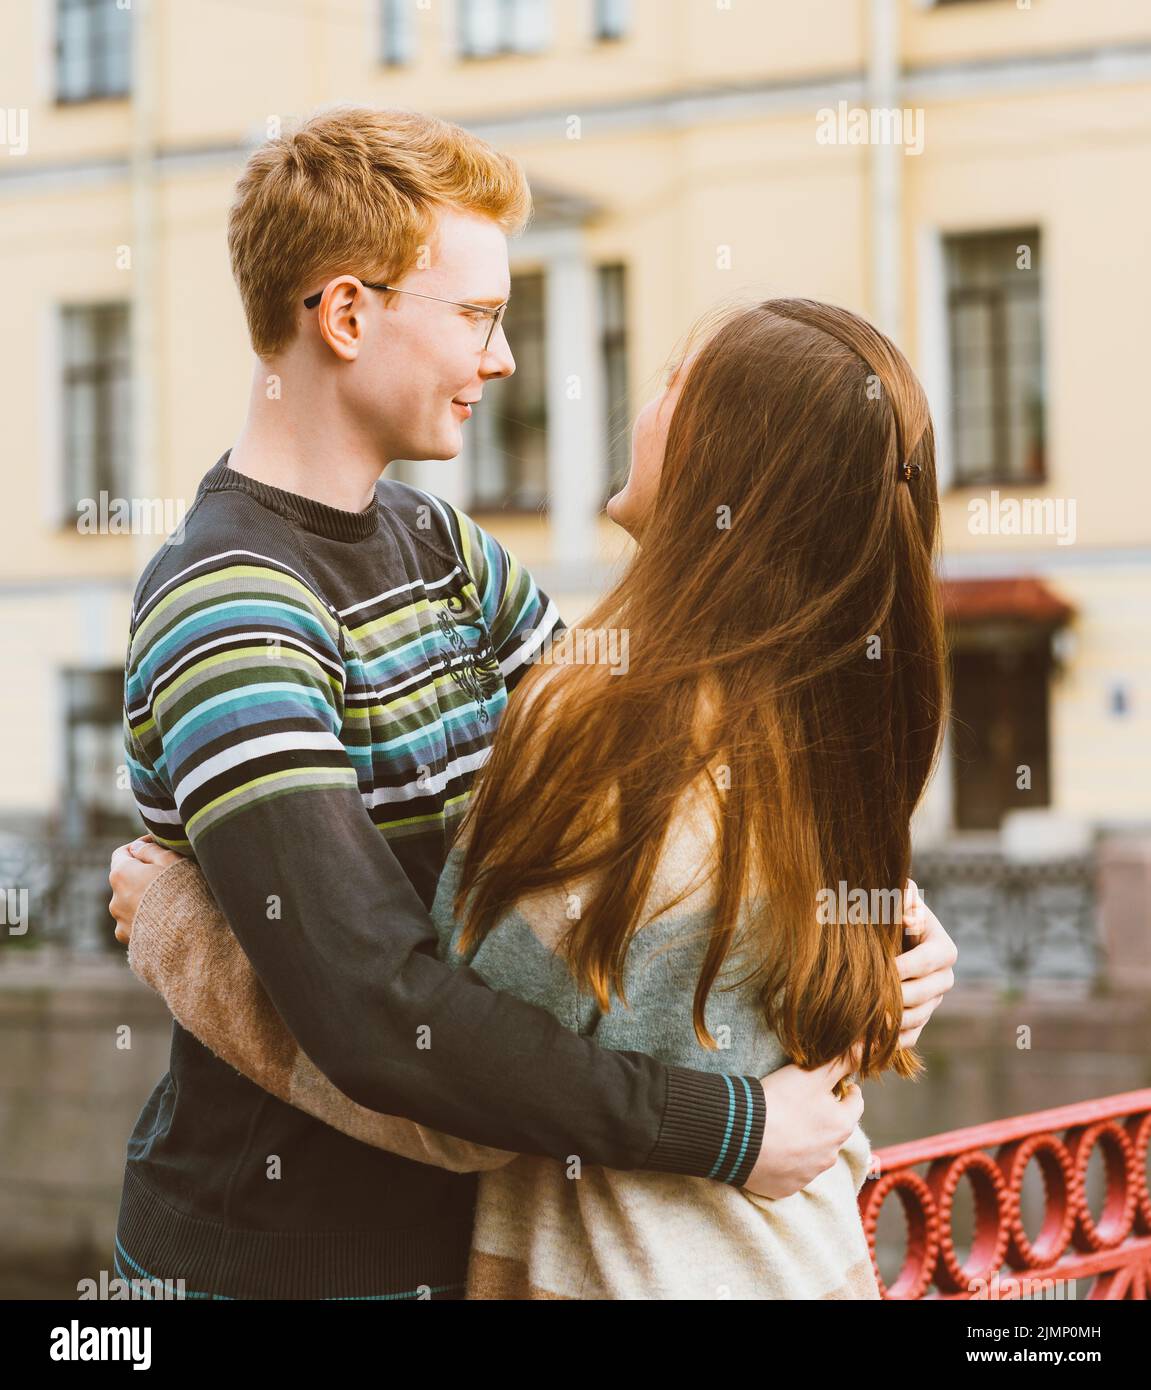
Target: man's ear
<point>340,317</point>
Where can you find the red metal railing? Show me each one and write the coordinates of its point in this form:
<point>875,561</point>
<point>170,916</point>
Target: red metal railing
<point>1114,1251</point>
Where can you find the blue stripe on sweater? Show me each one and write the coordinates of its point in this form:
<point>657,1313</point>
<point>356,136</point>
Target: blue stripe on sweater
<point>746,1129</point>
<point>727,1132</point>
<point>142,1273</point>
<point>718,1164</point>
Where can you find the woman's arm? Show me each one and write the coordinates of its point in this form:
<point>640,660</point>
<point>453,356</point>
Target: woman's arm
<point>182,946</point>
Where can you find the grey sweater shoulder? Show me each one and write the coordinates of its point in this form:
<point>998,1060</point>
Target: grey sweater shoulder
<point>660,975</point>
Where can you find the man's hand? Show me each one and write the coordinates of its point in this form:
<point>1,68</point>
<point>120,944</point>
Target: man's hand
<point>133,868</point>
<point>806,1125</point>
<point>925,969</point>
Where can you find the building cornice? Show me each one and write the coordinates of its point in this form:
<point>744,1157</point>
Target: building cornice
<point>687,108</point>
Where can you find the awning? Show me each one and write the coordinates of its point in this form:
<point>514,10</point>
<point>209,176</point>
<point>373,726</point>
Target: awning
<point>996,600</point>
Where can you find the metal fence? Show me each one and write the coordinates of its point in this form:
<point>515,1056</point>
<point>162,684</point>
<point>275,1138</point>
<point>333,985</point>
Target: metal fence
<point>64,887</point>
<point>1015,921</point>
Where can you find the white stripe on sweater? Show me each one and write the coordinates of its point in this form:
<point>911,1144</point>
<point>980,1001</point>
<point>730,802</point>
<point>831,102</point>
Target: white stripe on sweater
<point>248,752</point>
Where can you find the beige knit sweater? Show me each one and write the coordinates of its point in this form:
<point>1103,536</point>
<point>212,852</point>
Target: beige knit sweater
<point>545,1229</point>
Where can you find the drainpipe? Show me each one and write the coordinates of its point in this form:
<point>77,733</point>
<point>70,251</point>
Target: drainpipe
<point>145,472</point>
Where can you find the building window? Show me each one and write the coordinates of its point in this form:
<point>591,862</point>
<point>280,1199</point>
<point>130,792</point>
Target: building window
<point>491,27</point>
<point>97,799</point>
<point>999,729</point>
<point>996,348</point>
<point>97,409</point>
<point>397,32</point>
<point>612,18</point>
<point>613,345</point>
<point>510,455</point>
<point>93,50</point>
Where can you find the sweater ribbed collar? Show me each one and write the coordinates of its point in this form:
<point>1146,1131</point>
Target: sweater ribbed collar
<point>333,522</point>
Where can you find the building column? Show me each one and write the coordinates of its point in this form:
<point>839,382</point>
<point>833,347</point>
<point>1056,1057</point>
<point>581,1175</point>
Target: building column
<point>933,822</point>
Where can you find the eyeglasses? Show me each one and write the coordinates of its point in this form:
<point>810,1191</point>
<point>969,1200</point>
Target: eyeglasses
<point>486,311</point>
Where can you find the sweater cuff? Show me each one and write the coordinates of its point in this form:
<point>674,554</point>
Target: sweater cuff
<point>155,947</point>
<point>712,1126</point>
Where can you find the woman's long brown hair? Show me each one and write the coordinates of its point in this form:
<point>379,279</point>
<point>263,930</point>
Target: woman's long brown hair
<point>787,567</point>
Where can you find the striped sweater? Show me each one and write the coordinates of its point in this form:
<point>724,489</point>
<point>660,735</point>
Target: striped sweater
<point>547,1229</point>
<point>308,695</point>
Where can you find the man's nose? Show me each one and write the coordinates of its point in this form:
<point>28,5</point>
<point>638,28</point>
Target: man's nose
<point>498,360</point>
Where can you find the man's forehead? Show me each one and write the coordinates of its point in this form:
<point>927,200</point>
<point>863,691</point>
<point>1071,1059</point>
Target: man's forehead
<point>471,253</point>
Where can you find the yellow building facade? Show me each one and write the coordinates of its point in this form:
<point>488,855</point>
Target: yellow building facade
<point>683,153</point>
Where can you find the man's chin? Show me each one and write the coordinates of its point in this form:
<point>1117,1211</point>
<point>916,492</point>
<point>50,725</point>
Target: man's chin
<point>442,451</point>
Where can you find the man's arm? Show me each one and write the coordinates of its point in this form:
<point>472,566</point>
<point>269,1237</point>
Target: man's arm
<point>235,697</point>
<point>182,946</point>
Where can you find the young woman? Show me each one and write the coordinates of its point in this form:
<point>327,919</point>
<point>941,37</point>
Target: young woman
<point>650,850</point>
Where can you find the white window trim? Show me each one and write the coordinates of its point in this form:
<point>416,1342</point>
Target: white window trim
<point>934,349</point>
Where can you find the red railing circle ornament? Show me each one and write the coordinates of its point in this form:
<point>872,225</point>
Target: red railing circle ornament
<point>914,1278</point>
<point>1113,1253</point>
<point>989,1242</point>
<point>1059,1208</point>
<point>1139,1132</point>
<point>1121,1186</point>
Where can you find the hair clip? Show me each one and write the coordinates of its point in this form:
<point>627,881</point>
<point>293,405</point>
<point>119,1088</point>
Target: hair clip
<point>911,470</point>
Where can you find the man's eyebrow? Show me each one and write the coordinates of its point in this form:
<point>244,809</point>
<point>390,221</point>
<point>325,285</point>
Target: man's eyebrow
<point>488,303</point>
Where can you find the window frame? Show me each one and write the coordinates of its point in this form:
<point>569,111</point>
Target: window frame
<point>607,30</point>
<point>389,31</point>
<point>100,372</point>
<point>481,505</point>
<point>91,821</point>
<point>95,58</point>
<point>508,43</point>
<point>994,297</point>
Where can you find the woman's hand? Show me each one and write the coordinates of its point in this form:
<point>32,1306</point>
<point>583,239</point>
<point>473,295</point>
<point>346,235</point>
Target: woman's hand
<point>133,868</point>
<point>926,969</point>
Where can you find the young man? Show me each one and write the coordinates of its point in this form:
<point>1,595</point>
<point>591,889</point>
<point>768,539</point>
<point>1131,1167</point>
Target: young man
<point>314,676</point>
